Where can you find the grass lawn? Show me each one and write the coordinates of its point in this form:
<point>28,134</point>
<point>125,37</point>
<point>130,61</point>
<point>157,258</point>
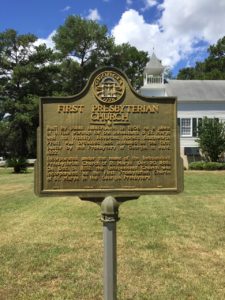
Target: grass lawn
<point>169,247</point>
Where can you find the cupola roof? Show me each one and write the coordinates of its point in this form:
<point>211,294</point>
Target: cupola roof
<point>154,66</point>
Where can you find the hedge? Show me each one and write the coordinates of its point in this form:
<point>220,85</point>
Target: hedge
<point>202,165</point>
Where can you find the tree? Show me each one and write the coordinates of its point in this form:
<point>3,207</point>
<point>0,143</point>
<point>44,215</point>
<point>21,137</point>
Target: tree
<point>85,45</point>
<point>4,133</point>
<point>81,38</point>
<point>84,41</point>
<point>211,68</point>
<point>186,73</point>
<point>130,60</point>
<point>211,139</point>
<point>69,77</point>
<point>26,72</point>
<point>215,63</point>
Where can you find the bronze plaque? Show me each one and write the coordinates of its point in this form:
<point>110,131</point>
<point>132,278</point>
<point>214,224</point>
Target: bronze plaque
<point>108,140</point>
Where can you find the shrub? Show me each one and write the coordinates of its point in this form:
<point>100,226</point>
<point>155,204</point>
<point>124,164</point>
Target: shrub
<point>201,165</point>
<point>211,138</point>
<point>18,164</point>
<point>196,165</point>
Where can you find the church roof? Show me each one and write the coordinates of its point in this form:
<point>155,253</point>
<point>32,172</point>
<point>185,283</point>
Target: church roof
<point>196,90</point>
<point>154,64</point>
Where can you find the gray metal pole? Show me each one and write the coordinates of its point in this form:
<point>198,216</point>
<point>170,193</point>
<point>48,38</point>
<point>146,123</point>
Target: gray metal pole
<point>110,261</point>
<point>110,208</point>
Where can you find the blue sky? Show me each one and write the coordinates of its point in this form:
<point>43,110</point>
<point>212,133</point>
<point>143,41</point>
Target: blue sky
<point>179,30</point>
<point>42,17</point>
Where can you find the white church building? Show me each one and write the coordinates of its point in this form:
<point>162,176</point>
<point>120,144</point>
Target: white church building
<point>195,99</point>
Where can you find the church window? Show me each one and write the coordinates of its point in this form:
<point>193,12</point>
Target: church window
<point>186,127</point>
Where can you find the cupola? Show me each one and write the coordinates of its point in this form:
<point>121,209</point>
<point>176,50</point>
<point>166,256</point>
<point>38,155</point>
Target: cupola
<point>153,78</point>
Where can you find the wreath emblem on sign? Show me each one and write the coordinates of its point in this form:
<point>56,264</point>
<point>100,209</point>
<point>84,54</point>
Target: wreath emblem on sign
<point>109,87</point>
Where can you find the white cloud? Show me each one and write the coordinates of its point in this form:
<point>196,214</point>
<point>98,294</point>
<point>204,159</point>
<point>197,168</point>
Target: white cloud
<point>202,19</point>
<point>182,24</point>
<point>150,3</point>
<point>133,28</point>
<point>66,8</point>
<point>94,15</point>
<point>129,2</point>
<point>48,41</point>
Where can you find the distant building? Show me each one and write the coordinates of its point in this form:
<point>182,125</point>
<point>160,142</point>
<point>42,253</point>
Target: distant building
<point>195,98</point>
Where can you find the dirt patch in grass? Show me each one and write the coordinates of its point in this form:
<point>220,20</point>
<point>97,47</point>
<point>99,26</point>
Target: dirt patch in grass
<point>11,189</point>
<point>203,172</point>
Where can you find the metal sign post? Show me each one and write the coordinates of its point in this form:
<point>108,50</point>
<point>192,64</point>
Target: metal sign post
<point>110,210</point>
<point>108,143</point>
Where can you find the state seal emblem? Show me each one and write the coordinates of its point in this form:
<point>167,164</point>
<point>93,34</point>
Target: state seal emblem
<point>108,87</point>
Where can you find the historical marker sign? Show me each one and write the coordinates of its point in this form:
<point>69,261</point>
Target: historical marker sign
<point>108,140</point>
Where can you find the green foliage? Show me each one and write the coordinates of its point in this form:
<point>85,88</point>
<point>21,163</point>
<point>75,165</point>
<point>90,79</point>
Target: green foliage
<point>130,60</point>
<point>212,68</point>
<point>186,73</point>
<point>211,138</point>
<point>4,133</point>
<point>209,166</point>
<point>28,71</point>
<point>85,41</point>
<point>89,44</point>
<point>197,165</point>
<point>19,165</point>
<point>81,38</point>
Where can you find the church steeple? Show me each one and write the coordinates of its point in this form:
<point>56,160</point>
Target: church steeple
<point>154,71</point>
<point>153,78</point>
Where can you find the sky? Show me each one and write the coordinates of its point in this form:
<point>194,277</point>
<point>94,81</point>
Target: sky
<point>179,31</point>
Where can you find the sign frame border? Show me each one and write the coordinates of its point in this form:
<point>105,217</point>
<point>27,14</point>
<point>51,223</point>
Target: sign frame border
<point>99,193</point>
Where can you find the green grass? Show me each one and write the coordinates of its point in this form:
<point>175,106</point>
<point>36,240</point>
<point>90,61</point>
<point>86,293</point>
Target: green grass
<point>169,247</point>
